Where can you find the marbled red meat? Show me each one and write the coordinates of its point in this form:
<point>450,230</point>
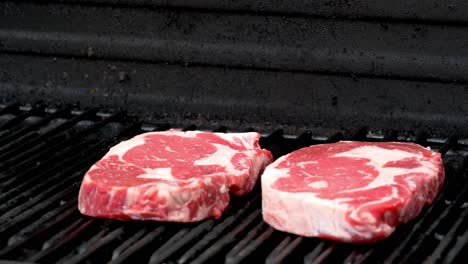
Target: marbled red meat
<point>350,191</point>
<point>172,176</point>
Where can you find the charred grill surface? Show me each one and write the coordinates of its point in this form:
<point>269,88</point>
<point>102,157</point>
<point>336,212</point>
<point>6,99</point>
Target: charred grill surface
<point>44,153</point>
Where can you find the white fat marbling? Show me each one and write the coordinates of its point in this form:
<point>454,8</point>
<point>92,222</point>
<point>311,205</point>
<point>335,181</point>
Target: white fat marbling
<point>318,184</point>
<point>158,173</point>
<point>223,155</point>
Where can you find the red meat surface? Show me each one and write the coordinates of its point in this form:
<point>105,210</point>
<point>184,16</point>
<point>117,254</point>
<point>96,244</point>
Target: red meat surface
<point>172,176</point>
<point>350,191</point>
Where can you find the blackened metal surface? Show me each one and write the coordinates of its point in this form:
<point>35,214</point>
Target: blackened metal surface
<point>213,96</point>
<point>40,223</point>
<point>406,50</point>
<point>240,69</point>
<point>433,10</point>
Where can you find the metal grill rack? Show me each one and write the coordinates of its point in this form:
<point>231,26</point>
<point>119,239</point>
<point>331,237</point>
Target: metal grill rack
<point>44,153</point>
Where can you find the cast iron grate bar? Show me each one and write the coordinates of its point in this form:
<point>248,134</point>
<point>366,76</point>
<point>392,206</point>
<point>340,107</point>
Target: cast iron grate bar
<point>9,108</point>
<point>181,239</point>
<point>55,143</point>
<point>100,242</point>
<point>228,239</point>
<point>458,251</point>
<point>16,133</point>
<point>62,211</point>
<point>285,248</point>
<point>34,183</point>
<point>237,255</point>
<point>50,144</point>
<point>73,152</point>
<point>218,230</point>
<point>317,252</point>
<point>119,255</point>
<point>13,208</point>
<point>47,166</point>
<point>34,211</point>
<point>444,244</point>
<point>42,162</point>
<point>37,109</point>
<point>134,244</point>
<point>84,245</point>
<point>73,228</point>
<point>38,230</point>
<point>37,137</point>
<point>232,256</point>
<point>357,257</point>
<point>54,246</point>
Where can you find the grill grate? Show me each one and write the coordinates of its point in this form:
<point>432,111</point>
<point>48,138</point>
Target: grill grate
<point>45,152</point>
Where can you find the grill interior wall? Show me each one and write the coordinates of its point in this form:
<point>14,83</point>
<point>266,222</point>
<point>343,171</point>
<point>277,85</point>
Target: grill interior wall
<point>292,64</point>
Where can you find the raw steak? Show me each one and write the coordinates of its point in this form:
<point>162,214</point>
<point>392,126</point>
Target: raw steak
<point>172,176</point>
<point>350,191</point>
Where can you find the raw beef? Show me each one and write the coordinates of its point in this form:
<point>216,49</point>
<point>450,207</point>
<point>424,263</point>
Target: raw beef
<point>350,191</point>
<point>172,176</point>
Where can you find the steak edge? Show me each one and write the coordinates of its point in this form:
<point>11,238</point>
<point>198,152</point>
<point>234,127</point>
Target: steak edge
<point>350,191</point>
